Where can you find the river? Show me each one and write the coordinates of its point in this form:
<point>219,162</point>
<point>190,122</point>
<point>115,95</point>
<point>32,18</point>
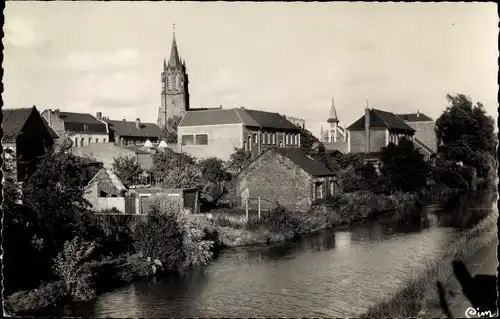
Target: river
<point>336,273</point>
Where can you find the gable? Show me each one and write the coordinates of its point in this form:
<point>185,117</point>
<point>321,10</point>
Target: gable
<point>13,122</point>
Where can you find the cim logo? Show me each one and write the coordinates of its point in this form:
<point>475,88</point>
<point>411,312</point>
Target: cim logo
<point>475,313</point>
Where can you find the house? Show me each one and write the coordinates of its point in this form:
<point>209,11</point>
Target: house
<point>27,137</point>
<point>105,191</point>
<point>84,129</point>
<point>187,198</point>
<point>288,176</point>
<point>424,126</point>
<point>217,132</point>
<point>131,133</point>
<point>107,152</point>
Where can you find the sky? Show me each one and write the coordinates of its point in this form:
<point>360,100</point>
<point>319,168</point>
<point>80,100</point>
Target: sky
<point>290,58</point>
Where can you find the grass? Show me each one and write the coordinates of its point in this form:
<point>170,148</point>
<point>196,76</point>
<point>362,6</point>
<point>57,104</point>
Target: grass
<point>421,294</point>
<point>279,225</point>
<point>26,301</point>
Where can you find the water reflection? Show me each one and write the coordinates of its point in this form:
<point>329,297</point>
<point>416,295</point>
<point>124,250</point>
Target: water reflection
<point>335,273</point>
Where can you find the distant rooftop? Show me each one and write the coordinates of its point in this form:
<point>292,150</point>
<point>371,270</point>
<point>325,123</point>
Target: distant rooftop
<point>381,119</point>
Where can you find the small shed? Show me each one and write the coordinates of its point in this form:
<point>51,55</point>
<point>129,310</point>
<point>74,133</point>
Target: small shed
<point>106,191</point>
<point>186,198</point>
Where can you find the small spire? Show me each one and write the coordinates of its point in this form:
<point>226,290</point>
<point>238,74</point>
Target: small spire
<point>174,53</point>
<point>333,113</point>
<point>164,64</point>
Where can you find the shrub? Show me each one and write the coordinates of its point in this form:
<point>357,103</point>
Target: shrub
<point>160,238</point>
<point>47,295</point>
<point>68,265</point>
<point>195,249</point>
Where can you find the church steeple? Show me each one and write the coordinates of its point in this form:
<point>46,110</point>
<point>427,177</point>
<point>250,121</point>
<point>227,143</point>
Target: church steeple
<point>333,114</point>
<point>174,61</point>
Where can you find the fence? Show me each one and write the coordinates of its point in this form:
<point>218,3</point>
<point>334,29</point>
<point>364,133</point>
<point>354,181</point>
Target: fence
<point>259,205</point>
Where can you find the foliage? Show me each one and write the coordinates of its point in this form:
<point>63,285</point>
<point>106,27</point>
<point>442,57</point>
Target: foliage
<point>68,265</point>
<point>169,132</point>
<point>238,160</point>
<point>351,160</point>
<point>212,169</point>
<point>176,239</point>
<point>25,301</point>
<point>127,168</point>
<point>307,139</point>
<point>196,250</point>
<point>404,166</point>
<point>467,134</point>
<point>160,238</point>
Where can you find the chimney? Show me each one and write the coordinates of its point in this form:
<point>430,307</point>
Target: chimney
<point>123,120</point>
<point>57,112</point>
<point>99,116</point>
<point>367,130</point>
<point>138,123</point>
<point>418,113</point>
<point>49,117</point>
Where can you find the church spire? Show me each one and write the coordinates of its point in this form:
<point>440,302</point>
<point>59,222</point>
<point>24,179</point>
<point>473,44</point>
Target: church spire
<point>333,113</point>
<point>174,53</point>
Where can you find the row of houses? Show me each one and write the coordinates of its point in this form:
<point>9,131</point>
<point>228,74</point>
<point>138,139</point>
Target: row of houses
<point>288,173</point>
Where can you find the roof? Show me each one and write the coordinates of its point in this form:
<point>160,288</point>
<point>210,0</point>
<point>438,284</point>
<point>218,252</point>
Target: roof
<point>250,118</point>
<point>112,177</point>
<point>333,118</point>
<point>381,119</point>
<point>301,158</point>
<point>414,117</point>
<point>14,120</point>
<point>127,128</point>
<point>75,122</point>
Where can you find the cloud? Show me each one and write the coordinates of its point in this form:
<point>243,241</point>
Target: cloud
<point>21,33</point>
<point>103,61</point>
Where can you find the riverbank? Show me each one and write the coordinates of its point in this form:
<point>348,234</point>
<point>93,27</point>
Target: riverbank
<point>279,225</point>
<point>420,295</point>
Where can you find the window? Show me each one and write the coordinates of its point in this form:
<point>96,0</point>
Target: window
<point>187,139</point>
<point>90,140</point>
<point>318,190</point>
<point>76,142</point>
<point>103,194</point>
<point>245,145</point>
<point>81,141</point>
<point>274,138</point>
<point>201,139</point>
<point>255,138</point>
<point>169,82</point>
<point>104,140</point>
<point>97,140</point>
<point>332,188</point>
<point>85,127</point>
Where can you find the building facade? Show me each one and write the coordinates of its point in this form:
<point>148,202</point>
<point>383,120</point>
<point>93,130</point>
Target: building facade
<point>424,127</point>
<point>27,137</point>
<point>287,176</point>
<point>83,129</point>
<point>105,191</point>
<point>376,129</point>
<point>174,90</point>
<point>131,133</point>
<point>217,132</point>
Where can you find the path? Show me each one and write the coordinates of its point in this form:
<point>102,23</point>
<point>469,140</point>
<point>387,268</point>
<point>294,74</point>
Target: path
<point>484,262</point>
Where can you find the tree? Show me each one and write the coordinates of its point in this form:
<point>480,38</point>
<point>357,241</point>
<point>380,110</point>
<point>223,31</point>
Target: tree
<point>307,139</point>
<point>466,133</point>
<point>239,160</point>
<point>127,168</point>
<point>212,169</point>
<point>169,131</point>
<point>404,166</point>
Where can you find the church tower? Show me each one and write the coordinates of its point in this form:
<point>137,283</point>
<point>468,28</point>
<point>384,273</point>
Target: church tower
<point>174,90</point>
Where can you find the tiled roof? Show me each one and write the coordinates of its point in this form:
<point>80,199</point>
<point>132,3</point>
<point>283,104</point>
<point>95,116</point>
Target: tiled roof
<point>414,117</point>
<point>127,128</point>
<point>302,159</point>
<point>251,118</point>
<point>381,119</point>
<point>14,120</point>
<point>75,122</point>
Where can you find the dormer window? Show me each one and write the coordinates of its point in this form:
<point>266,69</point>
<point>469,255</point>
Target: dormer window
<point>85,127</point>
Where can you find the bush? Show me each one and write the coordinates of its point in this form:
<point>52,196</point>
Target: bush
<point>27,301</point>
<point>68,265</point>
<point>196,250</point>
<point>160,238</point>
